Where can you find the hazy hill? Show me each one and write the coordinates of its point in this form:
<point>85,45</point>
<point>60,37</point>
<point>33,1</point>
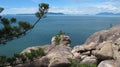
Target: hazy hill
<point>107,13</point>
<point>49,13</point>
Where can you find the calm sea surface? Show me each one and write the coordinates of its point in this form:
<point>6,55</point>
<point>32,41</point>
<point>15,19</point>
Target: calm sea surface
<point>79,28</point>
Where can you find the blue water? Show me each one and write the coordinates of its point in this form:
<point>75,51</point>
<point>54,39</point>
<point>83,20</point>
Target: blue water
<point>79,28</point>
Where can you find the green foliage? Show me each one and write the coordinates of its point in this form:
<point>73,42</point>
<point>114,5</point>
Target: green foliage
<point>4,61</point>
<point>1,9</point>
<point>58,38</point>
<point>61,33</point>
<point>43,9</point>
<point>24,25</point>
<point>17,55</point>
<point>11,32</point>
<point>40,52</point>
<point>34,53</point>
<point>5,21</point>
<point>13,20</point>
<point>23,57</point>
<point>75,63</point>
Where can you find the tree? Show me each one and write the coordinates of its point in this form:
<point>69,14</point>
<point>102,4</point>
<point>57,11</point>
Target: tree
<point>9,32</point>
<point>1,9</point>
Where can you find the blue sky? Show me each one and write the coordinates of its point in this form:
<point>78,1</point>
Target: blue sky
<point>64,6</point>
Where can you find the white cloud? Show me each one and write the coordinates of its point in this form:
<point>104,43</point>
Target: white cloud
<point>20,10</point>
<point>66,10</point>
<point>88,10</point>
<point>108,7</point>
<point>76,10</point>
<point>95,0</point>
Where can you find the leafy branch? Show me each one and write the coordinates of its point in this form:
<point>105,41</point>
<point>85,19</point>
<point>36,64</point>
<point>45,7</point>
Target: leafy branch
<point>9,32</point>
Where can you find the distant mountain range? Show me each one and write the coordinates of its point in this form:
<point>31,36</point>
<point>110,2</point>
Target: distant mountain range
<point>49,13</point>
<point>52,13</point>
<point>107,13</point>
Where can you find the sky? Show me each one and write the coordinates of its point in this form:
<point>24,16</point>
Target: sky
<point>64,6</point>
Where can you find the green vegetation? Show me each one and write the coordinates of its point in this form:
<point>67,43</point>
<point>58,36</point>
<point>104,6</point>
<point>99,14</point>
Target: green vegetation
<point>13,29</point>
<point>75,63</point>
<point>35,53</point>
<point>4,61</point>
<point>58,38</point>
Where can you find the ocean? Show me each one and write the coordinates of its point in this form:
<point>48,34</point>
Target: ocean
<point>79,28</point>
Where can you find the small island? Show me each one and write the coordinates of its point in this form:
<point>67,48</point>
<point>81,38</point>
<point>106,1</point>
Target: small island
<point>107,13</point>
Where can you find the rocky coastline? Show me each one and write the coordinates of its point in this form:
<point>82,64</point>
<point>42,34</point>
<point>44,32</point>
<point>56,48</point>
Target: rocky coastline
<point>102,48</point>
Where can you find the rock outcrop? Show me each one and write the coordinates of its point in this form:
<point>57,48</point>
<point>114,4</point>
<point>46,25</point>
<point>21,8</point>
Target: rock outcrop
<point>56,55</point>
<point>107,63</point>
<point>102,48</point>
<point>64,40</point>
<point>104,51</point>
<point>104,45</point>
<point>105,35</point>
<point>90,59</point>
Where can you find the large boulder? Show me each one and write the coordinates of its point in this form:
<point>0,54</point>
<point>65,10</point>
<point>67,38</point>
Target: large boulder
<point>64,40</point>
<point>105,35</point>
<point>97,37</point>
<point>107,63</point>
<point>90,59</point>
<point>83,50</point>
<point>77,50</point>
<point>104,51</point>
<point>41,62</point>
<point>59,62</point>
<point>104,45</point>
<point>56,56</point>
<point>91,46</point>
<point>116,55</point>
<point>45,47</point>
<point>62,51</point>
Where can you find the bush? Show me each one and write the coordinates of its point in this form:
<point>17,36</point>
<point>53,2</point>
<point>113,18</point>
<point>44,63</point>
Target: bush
<point>24,57</point>
<point>3,60</point>
<point>40,52</point>
<point>75,63</point>
<point>58,38</point>
<point>33,54</point>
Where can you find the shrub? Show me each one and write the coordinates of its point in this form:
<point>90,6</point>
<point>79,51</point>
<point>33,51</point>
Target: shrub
<point>58,38</point>
<point>3,60</point>
<point>33,54</point>
<point>75,63</point>
<point>24,57</point>
<point>40,52</point>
